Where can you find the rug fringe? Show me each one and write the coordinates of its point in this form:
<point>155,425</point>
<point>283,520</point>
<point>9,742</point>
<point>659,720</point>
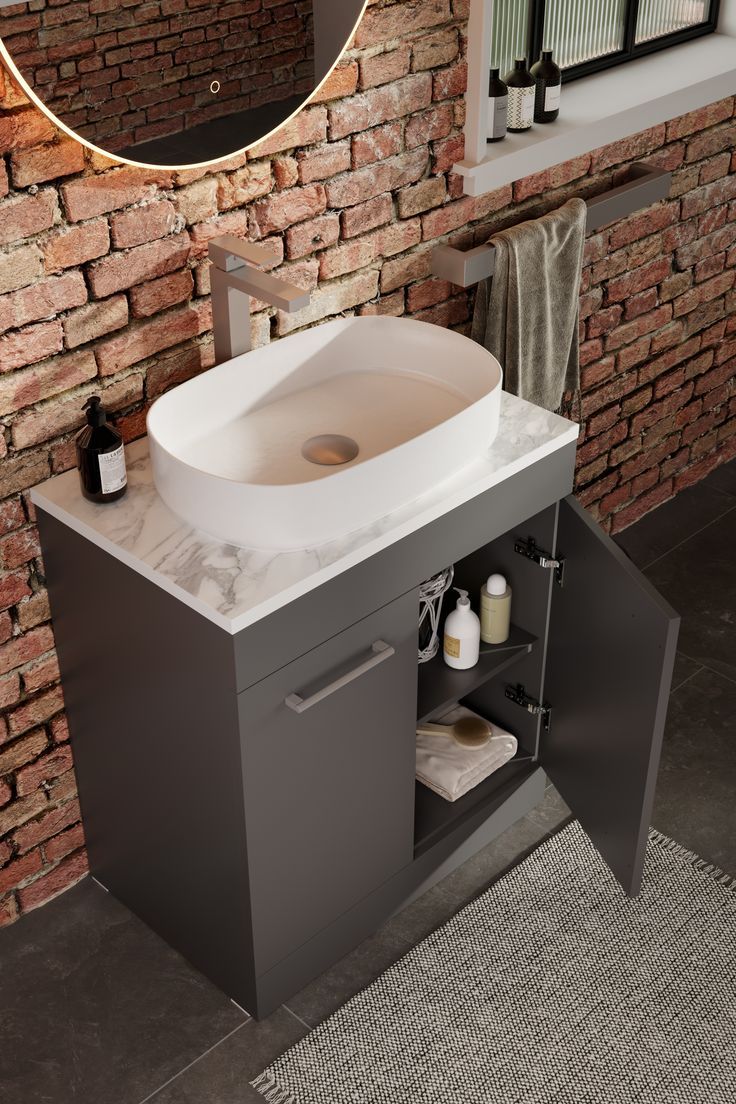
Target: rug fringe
<point>268,1087</point>
<point>691,857</point>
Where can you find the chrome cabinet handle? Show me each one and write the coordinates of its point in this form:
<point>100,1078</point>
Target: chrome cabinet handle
<point>381,651</point>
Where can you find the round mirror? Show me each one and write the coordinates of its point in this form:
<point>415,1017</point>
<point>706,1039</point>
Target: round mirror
<point>173,83</point>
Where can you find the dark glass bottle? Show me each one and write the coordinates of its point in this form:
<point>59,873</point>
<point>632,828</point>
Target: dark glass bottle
<point>498,105</point>
<point>521,96</point>
<point>100,456</point>
<point>548,81</point>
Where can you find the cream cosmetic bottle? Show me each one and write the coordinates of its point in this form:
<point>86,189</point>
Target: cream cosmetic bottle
<point>461,645</point>
<point>495,610</point>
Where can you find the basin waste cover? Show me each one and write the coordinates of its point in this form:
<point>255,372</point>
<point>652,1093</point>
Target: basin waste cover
<point>330,448</point>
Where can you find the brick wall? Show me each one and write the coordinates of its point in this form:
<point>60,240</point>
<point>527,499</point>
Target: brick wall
<point>104,287</point>
<point>119,74</point>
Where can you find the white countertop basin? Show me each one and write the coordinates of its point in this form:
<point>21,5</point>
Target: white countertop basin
<point>416,403</point>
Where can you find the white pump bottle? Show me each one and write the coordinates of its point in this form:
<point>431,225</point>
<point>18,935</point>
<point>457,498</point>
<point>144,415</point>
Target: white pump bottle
<point>461,645</point>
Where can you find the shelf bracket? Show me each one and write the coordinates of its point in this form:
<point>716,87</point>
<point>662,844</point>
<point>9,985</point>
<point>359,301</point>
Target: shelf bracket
<point>518,695</point>
<point>528,548</point>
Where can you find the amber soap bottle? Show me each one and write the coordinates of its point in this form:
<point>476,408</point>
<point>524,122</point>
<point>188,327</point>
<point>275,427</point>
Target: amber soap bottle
<point>100,456</point>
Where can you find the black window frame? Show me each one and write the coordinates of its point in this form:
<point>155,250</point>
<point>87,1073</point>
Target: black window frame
<point>630,51</point>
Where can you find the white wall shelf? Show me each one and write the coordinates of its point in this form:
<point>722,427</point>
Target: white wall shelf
<point>595,110</point>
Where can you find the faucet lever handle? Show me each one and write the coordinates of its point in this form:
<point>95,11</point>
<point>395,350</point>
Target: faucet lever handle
<point>229,253</point>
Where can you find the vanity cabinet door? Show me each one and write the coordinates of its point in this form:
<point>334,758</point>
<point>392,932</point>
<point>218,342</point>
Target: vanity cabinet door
<point>610,655</point>
<point>328,760</point>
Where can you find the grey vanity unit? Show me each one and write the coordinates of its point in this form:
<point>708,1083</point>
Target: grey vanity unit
<point>243,723</point>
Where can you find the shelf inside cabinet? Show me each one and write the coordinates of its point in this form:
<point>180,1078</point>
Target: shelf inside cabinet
<point>440,685</point>
<point>434,817</point>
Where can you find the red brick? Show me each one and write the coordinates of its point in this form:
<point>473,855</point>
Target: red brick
<point>646,276</point>
<point>13,587</point>
<point>144,224</point>
<point>363,184</point>
<point>19,547</point>
<point>23,129</point>
<point>323,162</point>
<point>32,166</point>
<point>27,346</point>
<point>381,68</point>
<point>277,212</point>
<point>461,211</point>
<point>144,262</point>
<point>95,319</point>
<point>45,298</point>
<point>421,197</point>
<point>627,149</point>
<point>380,25</point>
<point>197,201</point>
<point>306,129</point>
<point>700,119</point>
<point>316,233</point>
<point>64,412</point>
<point>19,268</point>
<point>23,216</point>
<point>18,872</point>
<point>146,338</point>
<point>109,191</point>
<point>342,81</point>
<point>63,844</point>
<point>366,216</point>
<point>643,224</point>
<point>157,295</point>
<point>432,50</point>
<point>376,144</point>
<point>59,878</point>
<point>243,186</point>
<point>39,381</point>
<point>43,672</point>
<point>48,767</point>
<point>66,248</point>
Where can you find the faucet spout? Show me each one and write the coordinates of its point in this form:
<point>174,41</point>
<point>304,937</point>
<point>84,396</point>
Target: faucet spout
<point>233,281</point>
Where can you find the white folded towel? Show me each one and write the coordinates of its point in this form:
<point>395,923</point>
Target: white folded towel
<point>450,769</point>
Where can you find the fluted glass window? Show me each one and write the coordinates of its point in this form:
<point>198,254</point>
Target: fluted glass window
<point>657,18</point>
<point>578,30</point>
<point>510,32</point>
<point>588,35</point>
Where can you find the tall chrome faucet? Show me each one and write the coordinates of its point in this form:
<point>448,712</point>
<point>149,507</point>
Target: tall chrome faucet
<point>233,280</point>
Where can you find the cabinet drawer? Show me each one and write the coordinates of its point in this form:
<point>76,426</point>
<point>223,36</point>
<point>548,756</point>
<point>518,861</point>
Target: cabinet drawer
<point>328,766</point>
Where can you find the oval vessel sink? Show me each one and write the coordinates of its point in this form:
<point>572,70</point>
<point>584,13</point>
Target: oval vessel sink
<point>323,432</point>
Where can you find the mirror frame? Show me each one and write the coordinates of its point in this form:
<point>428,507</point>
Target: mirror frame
<point>18,76</point>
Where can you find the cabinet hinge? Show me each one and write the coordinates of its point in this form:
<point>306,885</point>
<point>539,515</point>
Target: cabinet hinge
<point>529,549</point>
<point>518,695</point>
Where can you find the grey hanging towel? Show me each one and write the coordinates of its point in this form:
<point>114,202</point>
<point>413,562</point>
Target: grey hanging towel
<point>527,313</point>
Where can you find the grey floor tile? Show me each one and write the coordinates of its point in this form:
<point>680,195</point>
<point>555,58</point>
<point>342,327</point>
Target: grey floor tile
<point>403,931</point>
<point>96,1008</point>
<point>696,789</point>
<point>699,579</point>
<point>222,1075</point>
<point>685,668</point>
<point>723,478</point>
<point>674,522</point>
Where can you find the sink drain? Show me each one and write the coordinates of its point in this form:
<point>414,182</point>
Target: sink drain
<point>330,449</point>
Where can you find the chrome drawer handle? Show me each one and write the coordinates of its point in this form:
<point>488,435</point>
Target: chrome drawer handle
<point>381,651</point>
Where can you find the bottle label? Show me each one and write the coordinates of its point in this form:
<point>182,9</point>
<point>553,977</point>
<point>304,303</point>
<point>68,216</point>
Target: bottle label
<point>452,646</point>
<point>112,470</point>
<point>552,97</point>
<point>498,107</point>
<point>521,108</point>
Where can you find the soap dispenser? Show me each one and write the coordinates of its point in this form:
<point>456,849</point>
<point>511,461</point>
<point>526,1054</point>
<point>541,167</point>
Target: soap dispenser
<point>100,456</point>
<point>495,610</point>
<point>461,646</point>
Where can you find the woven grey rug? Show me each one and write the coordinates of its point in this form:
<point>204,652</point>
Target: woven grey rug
<point>550,988</point>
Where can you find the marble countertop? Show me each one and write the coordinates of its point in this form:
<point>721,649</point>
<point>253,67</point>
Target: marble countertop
<point>236,587</point>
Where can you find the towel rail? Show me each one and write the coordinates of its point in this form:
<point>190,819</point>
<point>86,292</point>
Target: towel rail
<point>645,186</point>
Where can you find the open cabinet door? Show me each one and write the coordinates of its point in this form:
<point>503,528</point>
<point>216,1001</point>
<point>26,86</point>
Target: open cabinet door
<point>611,650</point>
